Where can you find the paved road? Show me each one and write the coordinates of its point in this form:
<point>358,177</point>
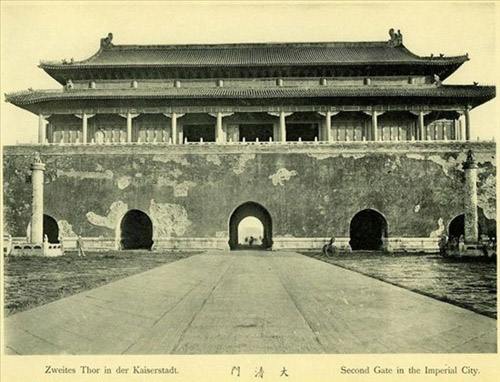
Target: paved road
<point>248,302</point>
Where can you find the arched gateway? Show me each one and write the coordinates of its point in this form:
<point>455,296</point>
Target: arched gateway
<point>50,229</point>
<point>136,231</point>
<point>367,230</point>
<point>250,209</point>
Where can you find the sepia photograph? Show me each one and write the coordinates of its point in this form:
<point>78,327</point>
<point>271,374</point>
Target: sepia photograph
<point>217,178</point>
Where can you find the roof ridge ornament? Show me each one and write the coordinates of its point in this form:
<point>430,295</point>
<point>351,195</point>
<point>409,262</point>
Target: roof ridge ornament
<point>396,38</point>
<point>106,42</point>
<point>437,80</point>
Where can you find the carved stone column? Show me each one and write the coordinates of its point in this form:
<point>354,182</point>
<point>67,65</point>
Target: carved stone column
<point>36,224</point>
<point>470,202</point>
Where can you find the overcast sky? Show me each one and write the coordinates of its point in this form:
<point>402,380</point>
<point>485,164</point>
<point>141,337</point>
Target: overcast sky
<point>34,31</point>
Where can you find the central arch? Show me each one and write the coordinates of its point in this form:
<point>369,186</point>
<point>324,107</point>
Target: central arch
<point>255,210</point>
<point>136,230</point>
<point>367,230</point>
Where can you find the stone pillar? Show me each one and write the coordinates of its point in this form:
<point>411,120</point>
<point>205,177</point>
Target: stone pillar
<point>42,128</point>
<point>470,201</point>
<point>467,124</point>
<point>36,226</point>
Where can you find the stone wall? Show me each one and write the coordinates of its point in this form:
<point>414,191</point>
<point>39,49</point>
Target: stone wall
<point>189,191</point>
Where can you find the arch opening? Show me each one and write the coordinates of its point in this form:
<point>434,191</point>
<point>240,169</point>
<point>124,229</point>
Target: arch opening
<point>456,228</point>
<point>250,232</point>
<point>367,230</point>
<point>252,222</point>
<point>136,231</point>
<point>51,229</point>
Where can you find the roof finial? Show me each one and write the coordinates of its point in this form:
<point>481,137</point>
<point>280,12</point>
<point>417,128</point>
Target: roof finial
<point>107,41</point>
<point>396,38</point>
<point>437,80</point>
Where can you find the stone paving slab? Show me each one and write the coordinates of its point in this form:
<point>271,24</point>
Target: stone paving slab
<point>248,302</point>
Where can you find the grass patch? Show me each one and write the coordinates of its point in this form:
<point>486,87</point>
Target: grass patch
<point>31,281</point>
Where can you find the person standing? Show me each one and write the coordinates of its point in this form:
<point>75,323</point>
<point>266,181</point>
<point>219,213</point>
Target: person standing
<point>79,246</point>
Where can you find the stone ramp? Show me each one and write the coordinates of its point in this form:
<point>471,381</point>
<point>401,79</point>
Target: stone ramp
<point>248,302</point>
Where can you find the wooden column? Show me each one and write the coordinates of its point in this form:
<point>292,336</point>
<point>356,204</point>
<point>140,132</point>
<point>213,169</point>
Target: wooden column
<point>84,117</point>
<point>219,130</point>
<point>374,128</point>
<point>42,128</point>
<point>467,124</point>
<point>327,134</point>
<point>282,126</point>
<point>173,125</point>
<point>129,117</point>
<point>421,133</point>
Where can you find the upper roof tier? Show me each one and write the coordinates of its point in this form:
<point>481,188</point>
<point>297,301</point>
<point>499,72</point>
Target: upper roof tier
<point>252,60</point>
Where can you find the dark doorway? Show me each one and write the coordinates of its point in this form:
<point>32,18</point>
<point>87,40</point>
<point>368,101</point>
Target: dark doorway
<point>194,133</point>
<point>304,131</point>
<point>136,231</point>
<point>367,230</point>
<point>252,131</point>
<point>51,229</point>
<point>456,227</point>
<point>257,211</point>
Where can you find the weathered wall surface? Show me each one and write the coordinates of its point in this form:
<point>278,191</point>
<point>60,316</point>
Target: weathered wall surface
<point>191,191</point>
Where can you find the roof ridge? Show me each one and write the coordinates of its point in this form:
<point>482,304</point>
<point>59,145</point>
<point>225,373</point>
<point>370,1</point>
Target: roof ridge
<point>243,45</point>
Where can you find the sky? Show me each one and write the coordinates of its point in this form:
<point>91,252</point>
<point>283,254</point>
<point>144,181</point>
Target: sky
<point>34,31</point>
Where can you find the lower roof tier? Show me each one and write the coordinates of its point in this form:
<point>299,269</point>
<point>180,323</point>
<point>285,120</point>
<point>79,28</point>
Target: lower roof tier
<point>39,101</point>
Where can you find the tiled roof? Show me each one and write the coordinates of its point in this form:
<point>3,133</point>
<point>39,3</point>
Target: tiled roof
<point>445,91</point>
<point>334,53</point>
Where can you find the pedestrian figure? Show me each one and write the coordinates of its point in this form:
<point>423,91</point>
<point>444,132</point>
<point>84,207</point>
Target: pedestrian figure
<point>329,249</point>
<point>79,246</point>
<point>461,244</point>
<point>251,240</point>
<point>443,243</point>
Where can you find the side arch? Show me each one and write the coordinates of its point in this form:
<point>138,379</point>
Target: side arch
<point>135,230</point>
<point>456,227</point>
<point>50,229</point>
<point>250,209</point>
<point>367,230</point>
